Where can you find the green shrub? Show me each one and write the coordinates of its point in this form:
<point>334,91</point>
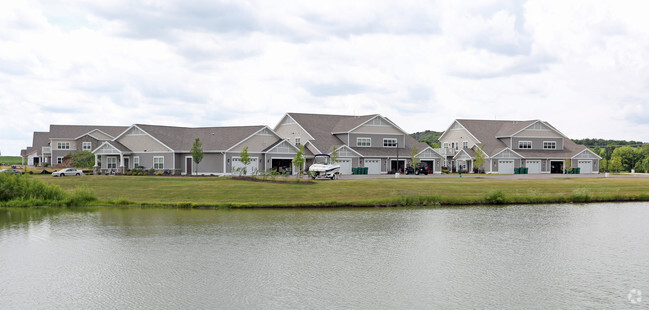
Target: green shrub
<point>13,186</point>
<point>496,197</point>
<point>579,195</point>
<point>81,196</point>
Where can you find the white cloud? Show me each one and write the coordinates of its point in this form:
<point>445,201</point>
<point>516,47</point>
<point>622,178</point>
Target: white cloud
<point>581,65</point>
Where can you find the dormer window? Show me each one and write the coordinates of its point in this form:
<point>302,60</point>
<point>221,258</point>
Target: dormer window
<point>549,145</point>
<point>524,144</point>
<point>363,142</point>
<point>389,142</point>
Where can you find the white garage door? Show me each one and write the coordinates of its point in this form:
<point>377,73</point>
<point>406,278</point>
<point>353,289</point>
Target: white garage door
<point>585,166</point>
<point>250,168</point>
<point>506,166</point>
<point>533,166</point>
<point>373,166</point>
<point>345,165</point>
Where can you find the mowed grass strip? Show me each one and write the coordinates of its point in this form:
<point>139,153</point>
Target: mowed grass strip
<point>212,191</point>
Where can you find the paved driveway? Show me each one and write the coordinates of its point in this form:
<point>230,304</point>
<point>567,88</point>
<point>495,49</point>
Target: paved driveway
<point>544,176</point>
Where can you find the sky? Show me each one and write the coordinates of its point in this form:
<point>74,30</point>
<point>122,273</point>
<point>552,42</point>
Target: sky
<point>583,66</point>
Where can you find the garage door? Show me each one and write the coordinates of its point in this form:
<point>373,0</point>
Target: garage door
<point>506,167</point>
<point>250,168</point>
<point>345,165</point>
<point>373,166</point>
<point>533,166</point>
<point>430,164</point>
<point>585,166</point>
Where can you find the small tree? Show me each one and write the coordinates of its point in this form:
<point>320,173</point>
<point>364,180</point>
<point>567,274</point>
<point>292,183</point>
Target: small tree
<point>414,160</point>
<point>334,154</point>
<point>245,160</point>
<point>197,153</point>
<point>298,161</point>
<point>479,157</point>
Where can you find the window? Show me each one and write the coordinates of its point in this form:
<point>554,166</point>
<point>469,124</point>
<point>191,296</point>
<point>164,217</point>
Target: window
<point>445,145</point>
<point>111,163</point>
<point>524,144</point>
<point>86,146</point>
<point>63,145</point>
<point>465,144</point>
<point>298,141</point>
<point>367,142</point>
<point>59,160</point>
<point>389,142</point>
<point>136,161</point>
<point>549,145</point>
<point>158,162</point>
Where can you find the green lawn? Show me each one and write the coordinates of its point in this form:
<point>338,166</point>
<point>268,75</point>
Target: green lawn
<point>11,160</point>
<point>213,191</point>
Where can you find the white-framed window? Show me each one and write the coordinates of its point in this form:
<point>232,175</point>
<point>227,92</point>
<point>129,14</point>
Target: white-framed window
<point>549,145</point>
<point>445,145</point>
<point>86,146</point>
<point>465,144</point>
<point>298,141</point>
<point>59,160</point>
<point>136,161</point>
<point>389,142</point>
<point>158,162</point>
<point>63,145</point>
<point>364,142</point>
<point>111,162</point>
<point>524,144</point>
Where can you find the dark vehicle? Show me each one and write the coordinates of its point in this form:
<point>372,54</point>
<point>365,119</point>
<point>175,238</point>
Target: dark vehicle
<point>421,169</point>
<point>13,171</point>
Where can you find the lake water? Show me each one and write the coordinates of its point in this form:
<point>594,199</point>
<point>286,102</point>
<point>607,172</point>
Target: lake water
<point>516,257</point>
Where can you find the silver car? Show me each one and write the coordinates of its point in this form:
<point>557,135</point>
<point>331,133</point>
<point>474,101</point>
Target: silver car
<point>13,171</point>
<point>67,171</point>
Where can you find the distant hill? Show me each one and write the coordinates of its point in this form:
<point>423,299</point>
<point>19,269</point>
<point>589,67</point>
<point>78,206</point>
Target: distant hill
<point>430,137</point>
<point>604,142</point>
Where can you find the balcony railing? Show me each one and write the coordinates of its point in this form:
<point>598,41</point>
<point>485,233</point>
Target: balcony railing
<point>446,151</point>
<point>47,150</point>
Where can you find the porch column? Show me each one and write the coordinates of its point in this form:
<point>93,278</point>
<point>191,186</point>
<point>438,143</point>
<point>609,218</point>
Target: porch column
<point>95,169</point>
<point>121,163</point>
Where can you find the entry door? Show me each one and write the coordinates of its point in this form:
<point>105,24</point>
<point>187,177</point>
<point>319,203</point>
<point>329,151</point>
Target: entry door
<point>506,166</point>
<point>585,166</point>
<point>533,166</point>
<point>126,163</point>
<point>189,165</point>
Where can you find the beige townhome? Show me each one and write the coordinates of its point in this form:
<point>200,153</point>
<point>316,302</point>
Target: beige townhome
<point>371,141</point>
<point>506,145</point>
<point>168,149</point>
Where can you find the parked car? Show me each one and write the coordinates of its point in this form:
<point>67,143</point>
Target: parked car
<point>14,171</point>
<point>67,171</point>
<point>421,169</point>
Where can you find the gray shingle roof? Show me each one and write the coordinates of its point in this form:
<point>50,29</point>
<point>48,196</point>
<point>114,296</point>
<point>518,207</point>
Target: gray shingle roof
<point>321,127</point>
<point>39,140</point>
<point>487,132</point>
<point>74,131</point>
<point>213,138</point>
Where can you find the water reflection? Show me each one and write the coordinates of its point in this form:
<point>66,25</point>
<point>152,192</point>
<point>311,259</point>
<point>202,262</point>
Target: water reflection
<point>556,256</point>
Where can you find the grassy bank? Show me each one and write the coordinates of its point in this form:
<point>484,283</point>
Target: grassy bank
<point>26,191</point>
<point>224,192</point>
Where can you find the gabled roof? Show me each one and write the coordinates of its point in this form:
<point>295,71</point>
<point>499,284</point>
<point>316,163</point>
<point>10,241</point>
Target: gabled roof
<point>322,127</point>
<point>213,138</point>
<point>488,131</point>
<point>72,132</point>
<point>39,140</point>
<point>121,148</point>
<point>349,123</point>
<point>469,152</point>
